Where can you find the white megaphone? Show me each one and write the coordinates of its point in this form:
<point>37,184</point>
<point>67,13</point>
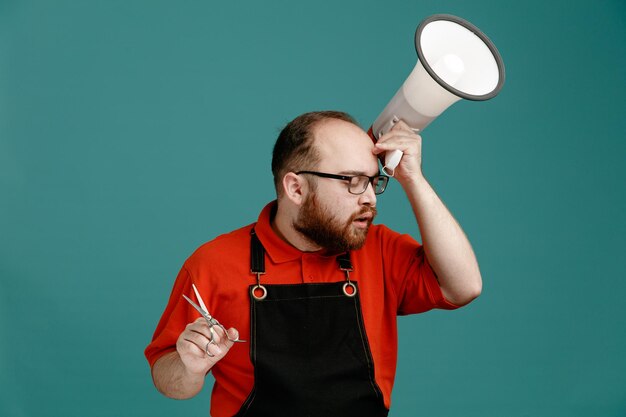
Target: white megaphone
<point>455,60</point>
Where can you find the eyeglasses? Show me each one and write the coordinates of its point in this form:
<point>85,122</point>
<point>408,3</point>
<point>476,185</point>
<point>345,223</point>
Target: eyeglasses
<point>357,184</point>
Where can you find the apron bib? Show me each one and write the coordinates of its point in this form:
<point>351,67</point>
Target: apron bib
<point>309,349</point>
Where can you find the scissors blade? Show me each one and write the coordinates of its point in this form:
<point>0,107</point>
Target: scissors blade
<point>197,307</point>
<point>200,299</point>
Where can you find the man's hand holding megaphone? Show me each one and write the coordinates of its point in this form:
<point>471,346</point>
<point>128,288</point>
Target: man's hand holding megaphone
<point>401,137</point>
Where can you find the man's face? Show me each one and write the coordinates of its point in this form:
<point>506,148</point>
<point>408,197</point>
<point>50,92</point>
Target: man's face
<point>321,226</point>
<point>330,216</point>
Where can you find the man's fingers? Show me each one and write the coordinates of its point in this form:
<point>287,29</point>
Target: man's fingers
<point>199,345</point>
<point>404,144</point>
<point>200,327</point>
<point>214,349</point>
<point>233,334</point>
<point>194,348</point>
<point>215,334</point>
<point>195,336</point>
<point>200,340</point>
<point>230,337</point>
<point>398,135</point>
<point>401,125</point>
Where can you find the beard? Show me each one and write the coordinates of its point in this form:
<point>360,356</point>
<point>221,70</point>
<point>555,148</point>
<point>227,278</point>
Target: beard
<point>321,227</point>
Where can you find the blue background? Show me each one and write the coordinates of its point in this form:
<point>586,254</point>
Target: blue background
<point>133,131</point>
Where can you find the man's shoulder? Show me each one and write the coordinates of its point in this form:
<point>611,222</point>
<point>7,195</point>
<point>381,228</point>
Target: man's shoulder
<point>223,246</point>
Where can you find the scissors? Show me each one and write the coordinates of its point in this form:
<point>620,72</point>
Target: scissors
<point>211,321</point>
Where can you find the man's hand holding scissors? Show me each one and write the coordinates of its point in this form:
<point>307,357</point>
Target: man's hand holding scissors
<point>201,346</point>
<point>205,341</point>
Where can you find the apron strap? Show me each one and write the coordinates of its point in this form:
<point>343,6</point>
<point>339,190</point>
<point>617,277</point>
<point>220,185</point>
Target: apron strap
<point>257,254</point>
<point>345,265</point>
<point>344,262</point>
<point>257,265</point>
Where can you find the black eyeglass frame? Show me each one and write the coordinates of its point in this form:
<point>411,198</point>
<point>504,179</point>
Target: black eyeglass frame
<point>370,180</point>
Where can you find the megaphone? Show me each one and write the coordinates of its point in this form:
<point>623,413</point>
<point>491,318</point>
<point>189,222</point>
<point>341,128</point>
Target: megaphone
<point>455,60</point>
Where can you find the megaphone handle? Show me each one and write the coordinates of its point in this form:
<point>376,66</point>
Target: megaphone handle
<point>392,159</point>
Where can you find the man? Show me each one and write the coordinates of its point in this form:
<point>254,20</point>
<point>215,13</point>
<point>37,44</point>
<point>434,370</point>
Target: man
<point>313,286</point>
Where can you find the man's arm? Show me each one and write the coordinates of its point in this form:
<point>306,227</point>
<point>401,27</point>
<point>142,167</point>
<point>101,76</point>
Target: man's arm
<point>180,374</point>
<point>447,248</point>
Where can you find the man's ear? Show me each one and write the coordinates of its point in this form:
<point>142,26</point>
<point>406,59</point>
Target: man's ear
<point>295,187</point>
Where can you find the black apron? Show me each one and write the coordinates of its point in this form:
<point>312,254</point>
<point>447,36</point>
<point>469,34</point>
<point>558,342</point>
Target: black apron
<point>309,349</point>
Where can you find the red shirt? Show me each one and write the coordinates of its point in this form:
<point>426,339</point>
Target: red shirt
<point>391,270</point>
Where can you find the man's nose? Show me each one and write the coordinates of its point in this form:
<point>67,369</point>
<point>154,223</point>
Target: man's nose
<point>368,197</point>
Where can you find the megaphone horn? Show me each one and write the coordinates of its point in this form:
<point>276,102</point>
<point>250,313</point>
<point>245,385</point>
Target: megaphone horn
<point>455,60</point>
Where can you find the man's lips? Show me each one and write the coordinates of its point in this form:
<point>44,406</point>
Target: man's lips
<point>363,219</point>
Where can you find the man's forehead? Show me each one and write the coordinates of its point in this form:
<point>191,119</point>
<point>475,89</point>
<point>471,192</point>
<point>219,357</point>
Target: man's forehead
<point>330,128</point>
<point>343,145</point>
<point>336,133</point>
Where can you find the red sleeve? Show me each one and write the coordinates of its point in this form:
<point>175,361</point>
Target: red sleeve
<point>416,286</point>
<point>421,290</point>
<point>173,321</point>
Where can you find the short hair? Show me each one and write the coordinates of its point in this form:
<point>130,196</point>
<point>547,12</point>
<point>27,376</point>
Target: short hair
<point>294,150</point>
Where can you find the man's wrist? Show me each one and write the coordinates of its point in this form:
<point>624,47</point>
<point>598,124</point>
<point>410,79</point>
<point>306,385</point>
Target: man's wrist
<point>413,182</point>
<point>194,378</point>
<point>188,373</point>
